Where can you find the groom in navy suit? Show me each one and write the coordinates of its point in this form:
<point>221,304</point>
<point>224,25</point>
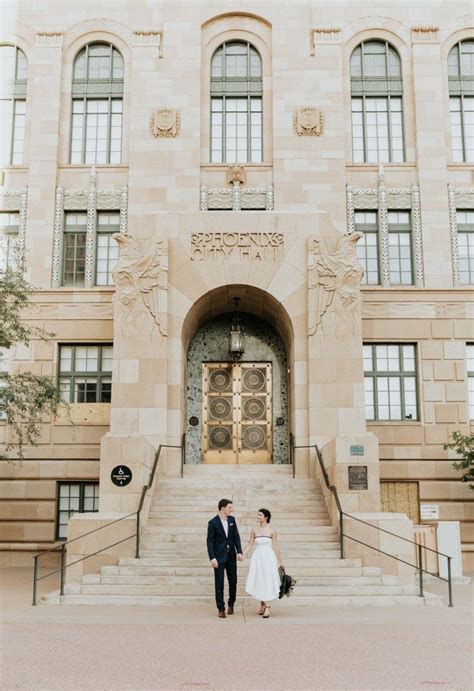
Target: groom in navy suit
<point>224,548</point>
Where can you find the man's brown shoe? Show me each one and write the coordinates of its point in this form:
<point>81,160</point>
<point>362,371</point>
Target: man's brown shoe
<point>230,610</point>
<point>221,614</point>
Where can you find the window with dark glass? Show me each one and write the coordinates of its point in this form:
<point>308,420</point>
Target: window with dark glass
<point>9,227</point>
<point>400,248</point>
<point>107,251</point>
<point>13,79</point>
<point>376,96</point>
<point>461,100</point>
<point>236,104</point>
<point>97,101</point>
<point>465,232</point>
<point>85,373</point>
<point>390,381</point>
<point>74,248</point>
<point>74,497</point>
<point>367,248</point>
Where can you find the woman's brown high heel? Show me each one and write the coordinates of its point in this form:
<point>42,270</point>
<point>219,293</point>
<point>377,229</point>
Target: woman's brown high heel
<point>262,609</point>
<point>266,615</point>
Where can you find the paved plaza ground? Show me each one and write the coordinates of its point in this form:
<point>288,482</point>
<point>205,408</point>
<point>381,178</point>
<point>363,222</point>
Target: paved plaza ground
<point>67,648</point>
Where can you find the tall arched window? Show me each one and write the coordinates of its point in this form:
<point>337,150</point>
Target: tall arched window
<point>236,104</point>
<point>377,113</point>
<point>13,74</point>
<point>97,98</point>
<point>461,100</point>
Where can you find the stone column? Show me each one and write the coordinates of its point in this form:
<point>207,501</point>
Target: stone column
<point>431,123</point>
<point>44,96</point>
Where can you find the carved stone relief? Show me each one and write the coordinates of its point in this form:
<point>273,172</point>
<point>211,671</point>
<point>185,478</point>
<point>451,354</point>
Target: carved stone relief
<point>165,122</point>
<point>308,122</point>
<point>334,276</point>
<point>141,282</point>
<point>237,174</point>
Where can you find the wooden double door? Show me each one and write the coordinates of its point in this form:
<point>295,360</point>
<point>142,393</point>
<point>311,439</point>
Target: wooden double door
<point>237,412</point>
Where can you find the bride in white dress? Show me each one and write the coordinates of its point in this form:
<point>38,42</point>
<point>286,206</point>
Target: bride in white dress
<point>263,580</point>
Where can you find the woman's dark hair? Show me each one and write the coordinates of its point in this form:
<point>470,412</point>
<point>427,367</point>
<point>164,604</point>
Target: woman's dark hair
<point>266,513</point>
<point>223,503</point>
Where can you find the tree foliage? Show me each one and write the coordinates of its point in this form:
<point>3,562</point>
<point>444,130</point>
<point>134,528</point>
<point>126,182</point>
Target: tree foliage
<point>25,398</point>
<point>463,444</point>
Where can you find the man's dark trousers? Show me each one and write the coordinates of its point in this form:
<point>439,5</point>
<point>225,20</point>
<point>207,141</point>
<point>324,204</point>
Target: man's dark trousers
<point>230,568</point>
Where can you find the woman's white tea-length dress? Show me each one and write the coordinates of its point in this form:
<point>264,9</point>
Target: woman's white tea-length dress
<point>263,580</point>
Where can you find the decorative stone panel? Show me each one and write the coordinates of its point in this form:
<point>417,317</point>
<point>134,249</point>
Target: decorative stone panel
<point>459,198</point>
<point>236,198</point>
<point>324,35</point>
<point>308,122</point>
<point>165,122</point>
<point>49,39</point>
<point>382,199</point>
<point>262,344</point>
<point>91,200</point>
<point>17,200</point>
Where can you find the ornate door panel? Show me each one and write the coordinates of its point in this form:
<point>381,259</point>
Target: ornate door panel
<point>254,427</point>
<point>237,413</point>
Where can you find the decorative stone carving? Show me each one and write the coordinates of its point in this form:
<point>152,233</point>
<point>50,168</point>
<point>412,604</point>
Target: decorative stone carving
<point>308,122</point>
<point>148,38</point>
<point>417,237</point>
<point>91,229</point>
<point>58,236</point>
<point>383,228</point>
<point>141,283</point>
<point>22,227</point>
<point>50,39</point>
<point>237,174</point>
<point>453,227</point>
<point>331,35</point>
<point>165,123</point>
<point>108,200</point>
<point>236,198</point>
<point>425,34</point>
<point>333,280</point>
<point>124,210</point>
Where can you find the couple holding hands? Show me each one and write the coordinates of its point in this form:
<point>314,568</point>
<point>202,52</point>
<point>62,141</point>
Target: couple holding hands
<point>225,549</point>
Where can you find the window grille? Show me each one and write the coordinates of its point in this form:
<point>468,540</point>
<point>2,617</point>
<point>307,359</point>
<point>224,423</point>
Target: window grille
<point>74,497</point>
<point>390,381</point>
<point>85,373</point>
<point>236,104</point>
<point>461,100</point>
<point>97,93</point>
<point>377,111</point>
<point>13,81</point>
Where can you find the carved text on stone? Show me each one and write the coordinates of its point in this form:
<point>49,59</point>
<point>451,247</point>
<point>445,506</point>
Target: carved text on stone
<point>251,246</point>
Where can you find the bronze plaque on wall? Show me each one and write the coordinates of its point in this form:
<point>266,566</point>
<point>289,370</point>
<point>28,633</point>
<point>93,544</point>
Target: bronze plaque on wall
<point>358,477</point>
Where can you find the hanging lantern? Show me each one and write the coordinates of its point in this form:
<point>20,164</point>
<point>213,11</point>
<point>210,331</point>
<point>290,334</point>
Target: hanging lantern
<point>236,336</point>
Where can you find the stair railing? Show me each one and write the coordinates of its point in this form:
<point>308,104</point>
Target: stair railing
<point>342,535</point>
<point>136,534</point>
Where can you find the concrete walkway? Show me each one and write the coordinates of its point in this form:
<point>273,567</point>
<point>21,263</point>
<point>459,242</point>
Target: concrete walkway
<point>101,648</point>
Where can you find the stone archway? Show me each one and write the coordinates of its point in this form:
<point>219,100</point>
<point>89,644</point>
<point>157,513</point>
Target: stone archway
<point>268,348</point>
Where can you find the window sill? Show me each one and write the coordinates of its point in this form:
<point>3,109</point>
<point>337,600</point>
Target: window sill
<point>97,166</point>
<point>225,166</point>
<point>398,423</point>
<point>376,166</point>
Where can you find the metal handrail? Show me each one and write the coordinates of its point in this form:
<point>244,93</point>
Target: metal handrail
<point>342,535</point>
<point>292,452</point>
<point>136,535</point>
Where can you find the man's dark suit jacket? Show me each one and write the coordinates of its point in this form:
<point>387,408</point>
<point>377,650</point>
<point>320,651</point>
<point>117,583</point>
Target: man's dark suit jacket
<point>219,546</point>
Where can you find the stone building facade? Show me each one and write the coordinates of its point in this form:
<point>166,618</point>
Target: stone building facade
<point>313,161</point>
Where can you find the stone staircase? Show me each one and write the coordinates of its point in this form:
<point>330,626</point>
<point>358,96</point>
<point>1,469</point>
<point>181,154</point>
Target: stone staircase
<point>174,567</point>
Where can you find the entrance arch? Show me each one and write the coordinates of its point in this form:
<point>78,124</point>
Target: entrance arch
<point>269,350</point>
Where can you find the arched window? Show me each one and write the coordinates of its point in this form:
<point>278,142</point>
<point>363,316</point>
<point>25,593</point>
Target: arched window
<point>97,97</point>
<point>377,112</point>
<point>461,100</point>
<point>236,104</point>
<point>13,74</point>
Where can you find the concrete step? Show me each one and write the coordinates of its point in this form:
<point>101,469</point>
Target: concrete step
<point>167,518</point>
<point>293,601</point>
<point>322,552</point>
<point>159,571</point>
<point>192,581</point>
<point>191,562</point>
<point>284,531</point>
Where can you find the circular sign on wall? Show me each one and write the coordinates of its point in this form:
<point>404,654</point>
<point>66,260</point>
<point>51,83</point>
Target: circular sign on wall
<point>121,475</point>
